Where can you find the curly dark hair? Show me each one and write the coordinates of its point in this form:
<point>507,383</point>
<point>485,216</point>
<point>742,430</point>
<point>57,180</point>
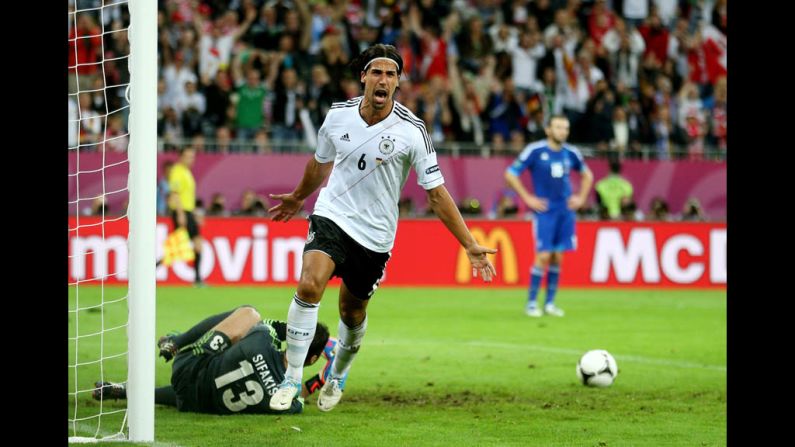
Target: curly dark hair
<point>378,50</point>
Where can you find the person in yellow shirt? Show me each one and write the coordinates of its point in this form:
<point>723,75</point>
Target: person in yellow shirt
<point>182,202</point>
<point>613,192</point>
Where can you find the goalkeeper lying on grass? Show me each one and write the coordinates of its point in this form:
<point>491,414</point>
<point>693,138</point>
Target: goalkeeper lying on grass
<point>230,363</point>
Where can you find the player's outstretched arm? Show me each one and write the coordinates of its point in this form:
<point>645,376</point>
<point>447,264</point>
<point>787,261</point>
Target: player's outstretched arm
<point>443,205</point>
<point>314,175</point>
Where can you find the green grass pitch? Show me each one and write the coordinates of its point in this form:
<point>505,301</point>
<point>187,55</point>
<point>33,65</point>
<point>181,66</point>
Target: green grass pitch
<point>454,367</point>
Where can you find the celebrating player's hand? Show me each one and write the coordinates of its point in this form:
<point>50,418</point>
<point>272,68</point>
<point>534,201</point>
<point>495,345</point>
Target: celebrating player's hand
<point>480,262</point>
<point>575,202</point>
<point>287,209</point>
<point>537,203</point>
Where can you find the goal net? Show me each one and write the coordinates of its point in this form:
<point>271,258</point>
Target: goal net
<point>112,156</point>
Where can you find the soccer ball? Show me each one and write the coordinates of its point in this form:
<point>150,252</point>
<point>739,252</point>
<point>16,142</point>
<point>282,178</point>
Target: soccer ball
<point>597,368</point>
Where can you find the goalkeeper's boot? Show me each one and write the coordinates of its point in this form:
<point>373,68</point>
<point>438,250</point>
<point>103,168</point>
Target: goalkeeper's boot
<point>168,349</point>
<point>109,390</point>
<point>288,390</point>
<point>330,394</point>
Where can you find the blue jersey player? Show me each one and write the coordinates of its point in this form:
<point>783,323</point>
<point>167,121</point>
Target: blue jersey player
<point>549,162</point>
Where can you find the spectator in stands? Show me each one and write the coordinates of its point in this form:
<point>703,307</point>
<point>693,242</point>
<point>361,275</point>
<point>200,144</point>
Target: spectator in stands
<point>718,122</point>
<point>692,211</point>
<point>217,95</point>
<point>625,48</point>
<point>620,141</point>
<point>85,50</point>
<point>217,39</point>
<point>116,136</point>
<point>262,143</point>
<point>223,141</point>
<point>663,131</point>
<point>191,106</point>
<point>170,129</point>
<point>265,30</point>
<point>657,39</point>
<point>90,124</point>
<point>576,80</point>
<point>218,206</point>
<point>507,205</point>
<point>599,117</point>
<point>631,213</point>
<point>667,11</point>
<point>640,129</point>
<point>249,116</point>
<point>635,11</point>
<point>319,95</point>
<point>719,17</point>
<point>564,29</point>
<point>198,143</point>
<point>176,74</point>
<point>504,37</point>
<point>695,129</point>
<point>435,109</point>
<point>252,204</point>
<point>600,21</point>
<point>658,210</point>
<point>98,96</point>
<point>525,59</point>
<point>297,25</point>
<point>543,12</point>
<point>335,59</point>
<point>706,57</point>
<point>504,112</point>
<point>287,105</point>
<point>164,100</point>
<point>676,42</point>
<point>517,142</point>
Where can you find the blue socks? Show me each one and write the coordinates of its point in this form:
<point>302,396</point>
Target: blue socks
<point>536,274</point>
<point>552,283</point>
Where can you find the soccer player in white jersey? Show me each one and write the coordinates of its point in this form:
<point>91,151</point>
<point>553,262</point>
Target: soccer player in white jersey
<point>367,144</point>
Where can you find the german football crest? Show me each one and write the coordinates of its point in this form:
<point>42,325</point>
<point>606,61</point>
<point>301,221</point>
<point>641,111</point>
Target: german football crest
<point>387,145</point>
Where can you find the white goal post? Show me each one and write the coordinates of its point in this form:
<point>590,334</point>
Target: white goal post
<point>102,315</point>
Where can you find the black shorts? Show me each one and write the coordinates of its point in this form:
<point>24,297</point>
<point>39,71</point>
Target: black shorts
<point>189,370</point>
<point>190,222</point>
<point>361,269</point>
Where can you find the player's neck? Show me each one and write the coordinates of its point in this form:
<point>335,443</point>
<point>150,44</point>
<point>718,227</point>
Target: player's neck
<point>373,116</point>
<point>553,145</point>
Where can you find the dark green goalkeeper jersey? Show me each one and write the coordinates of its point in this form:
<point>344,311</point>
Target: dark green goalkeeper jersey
<point>242,378</point>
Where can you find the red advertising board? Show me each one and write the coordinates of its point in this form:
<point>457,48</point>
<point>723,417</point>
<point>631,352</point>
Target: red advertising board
<point>251,251</point>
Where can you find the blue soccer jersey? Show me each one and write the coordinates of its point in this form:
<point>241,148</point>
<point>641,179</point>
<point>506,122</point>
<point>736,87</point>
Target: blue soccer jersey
<point>554,229</point>
<point>549,170</point>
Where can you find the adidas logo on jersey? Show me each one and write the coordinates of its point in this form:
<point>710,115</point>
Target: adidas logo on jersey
<point>345,138</point>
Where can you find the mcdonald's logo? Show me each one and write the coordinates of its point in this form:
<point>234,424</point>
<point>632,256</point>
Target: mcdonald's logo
<point>498,238</point>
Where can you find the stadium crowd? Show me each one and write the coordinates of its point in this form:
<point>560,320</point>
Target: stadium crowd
<point>635,77</point>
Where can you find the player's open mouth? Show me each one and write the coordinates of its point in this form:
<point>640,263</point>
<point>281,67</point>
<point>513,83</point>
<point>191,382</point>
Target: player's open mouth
<point>381,94</point>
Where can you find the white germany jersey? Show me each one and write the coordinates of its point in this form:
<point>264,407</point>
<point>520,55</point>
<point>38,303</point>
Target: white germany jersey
<point>371,164</point>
